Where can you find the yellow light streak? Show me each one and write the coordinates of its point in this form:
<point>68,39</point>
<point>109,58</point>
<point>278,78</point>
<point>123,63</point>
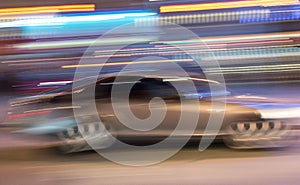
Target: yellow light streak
<point>224,5</point>
<point>46,9</point>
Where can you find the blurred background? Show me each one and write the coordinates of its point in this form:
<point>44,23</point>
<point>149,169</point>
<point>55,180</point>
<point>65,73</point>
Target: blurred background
<point>256,43</point>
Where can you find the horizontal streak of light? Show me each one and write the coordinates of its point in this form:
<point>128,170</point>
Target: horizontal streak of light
<point>267,55</point>
<point>210,17</point>
<point>224,5</point>
<point>126,63</point>
<point>23,115</point>
<point>131,49</point>
<point>54,108</point>
<point>208,49</point>
<point>119,83</point>
<point>81,43</point>
<point>24,17</point>
<point>145,53</point>
<point>143,49</point>
<point>264,15</point>
<point>239,38</point>
<point>257,69</point>
<point>205,51</point>
<point>252,42</point>
<point>255,37</point>
<point>39,59</point>
<point>230,47</point>
<point>224,55</point>
<point>47,9</point>
<point>203,45</point>
<point>204,40</point>
<point>281,41</point>
<point>261,68</point>
<point>219,58</point>
<point>256,72</point>
<point>175,79</point>
<point>263,82</point>
<point>284,34</point>
<point>54,83</point>
<point>199,44</point>
<point>61,20</point>
<point>104,54</point>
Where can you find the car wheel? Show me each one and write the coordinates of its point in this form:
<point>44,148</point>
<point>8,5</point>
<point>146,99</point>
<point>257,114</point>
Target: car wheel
<point>71,140</point>
<point>261,134</point>
<point>85,137</point>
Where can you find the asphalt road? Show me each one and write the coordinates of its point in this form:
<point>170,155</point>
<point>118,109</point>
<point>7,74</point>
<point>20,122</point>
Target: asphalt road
<point>31,165</point>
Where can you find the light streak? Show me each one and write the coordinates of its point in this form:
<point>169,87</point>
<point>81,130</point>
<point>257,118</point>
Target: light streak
<point>224,5</point>
<point>47,9</point>
<point>127,63</point>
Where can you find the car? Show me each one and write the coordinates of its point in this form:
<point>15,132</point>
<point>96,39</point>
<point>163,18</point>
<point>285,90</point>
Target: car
<point>52,113</point>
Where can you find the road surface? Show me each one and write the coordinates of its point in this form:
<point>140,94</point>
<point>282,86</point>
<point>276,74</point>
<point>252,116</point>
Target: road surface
<point>34,165</point>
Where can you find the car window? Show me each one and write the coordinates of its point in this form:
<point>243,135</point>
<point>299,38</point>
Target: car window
<point>143,89</point>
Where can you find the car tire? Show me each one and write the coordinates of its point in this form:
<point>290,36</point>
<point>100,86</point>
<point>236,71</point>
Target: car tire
<point>261,134</point>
